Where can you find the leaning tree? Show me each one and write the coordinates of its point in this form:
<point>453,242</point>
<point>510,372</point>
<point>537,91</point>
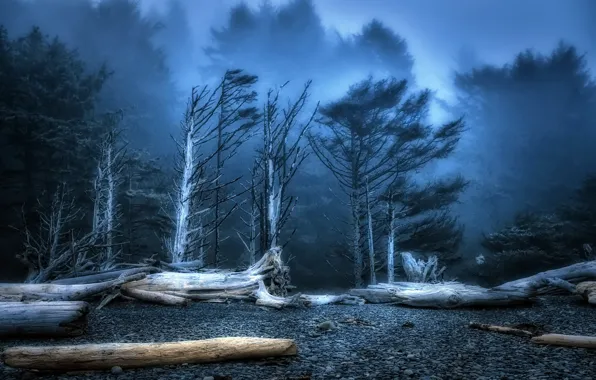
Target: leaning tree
<point>371,137</point>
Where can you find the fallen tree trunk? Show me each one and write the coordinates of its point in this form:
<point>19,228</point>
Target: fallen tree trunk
<point>544,282</point>
<point>155,297</point>
<point>579,341</point>
<point>105,276</point>
<point>59,292</point>
<point>211,285</point>
<point>53,319</point>
<point>132,355</point>
<point>454,294</point>
<point>446,295</point>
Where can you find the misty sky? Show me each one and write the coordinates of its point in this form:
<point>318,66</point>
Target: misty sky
<point>436,30</point>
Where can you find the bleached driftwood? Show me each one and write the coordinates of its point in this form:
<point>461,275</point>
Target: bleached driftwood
<point>545,282</point>
<point>59,292</point>
<point>421,270</point>
<point>105,276</point>
<point>173,288</point>
<point>501,329</point>
<point>579,341</point>
<point>439,295</point>
<point>454,294</point>
<point>586,289</point>
<point>53,319</point>
<point>134,355</point>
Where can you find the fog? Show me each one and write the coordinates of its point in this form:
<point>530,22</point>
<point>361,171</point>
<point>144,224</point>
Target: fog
<point>530,119</point>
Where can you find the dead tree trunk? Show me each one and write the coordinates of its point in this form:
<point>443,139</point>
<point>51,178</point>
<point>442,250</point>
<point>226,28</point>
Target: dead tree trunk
<point>134,355</point>
<point>541,283</point>
<point>53,319</point>
<point>59,292</point>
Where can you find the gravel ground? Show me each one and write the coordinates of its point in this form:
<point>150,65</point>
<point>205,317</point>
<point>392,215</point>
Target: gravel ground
<point>379,342</point>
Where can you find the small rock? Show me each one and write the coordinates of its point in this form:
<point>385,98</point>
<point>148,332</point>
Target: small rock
<point>208,378</point>
<point>116,370</point>
<point>408,372</point>
<point>408,324</point>
<point>327,325</point>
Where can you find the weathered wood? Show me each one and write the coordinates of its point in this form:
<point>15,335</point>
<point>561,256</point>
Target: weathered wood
<point>59,292</point>
<point>132,355</point>
<point>54,319</point>
<point>439,295</point>
<point>587,290</point>
<point>501,329</point>
<point>105,276</point>
<point>541,283</point>
<point>579,341</point>
<point>155,297</point>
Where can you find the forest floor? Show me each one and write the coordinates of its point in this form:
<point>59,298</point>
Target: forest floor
<point>370,342</point>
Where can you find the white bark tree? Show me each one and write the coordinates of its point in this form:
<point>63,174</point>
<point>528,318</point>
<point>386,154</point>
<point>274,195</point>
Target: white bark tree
<point>216,122</point>
<point>106,186</point>
<point>279,158</point>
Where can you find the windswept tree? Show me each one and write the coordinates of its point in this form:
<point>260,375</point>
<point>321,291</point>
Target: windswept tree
<point>217,120</point>
<point>269,205</point>
<point>375,134</point>
<point>236,119</point>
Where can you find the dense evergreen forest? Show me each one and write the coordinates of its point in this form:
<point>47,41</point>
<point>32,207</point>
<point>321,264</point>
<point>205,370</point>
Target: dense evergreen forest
<point>119,144</point>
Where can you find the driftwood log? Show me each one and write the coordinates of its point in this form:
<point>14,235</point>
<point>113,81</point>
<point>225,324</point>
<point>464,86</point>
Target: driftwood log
<point>59,292</point>
<point>132,355</point>
<point>546,282</point>
<point>51,319</point>
<point>105,276</point>
<point>579,341</point>
<point>446,295</point>
<point>455,294</point>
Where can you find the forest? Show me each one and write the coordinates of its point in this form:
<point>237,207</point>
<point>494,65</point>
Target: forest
<point>112,156</point>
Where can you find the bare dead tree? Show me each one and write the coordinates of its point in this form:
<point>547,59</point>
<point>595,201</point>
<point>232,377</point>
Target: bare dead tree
<point>279,158</point>
<point>371,136</point>
<point>108,179</point>
<point>218,117</point>
<point>53,250</point>
<point>251,216</point>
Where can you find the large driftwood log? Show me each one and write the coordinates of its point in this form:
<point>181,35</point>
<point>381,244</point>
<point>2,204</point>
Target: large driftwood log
<point>131,355</point>
<point>454,294</point>
<point>440,295</point>
<point>105,276</point>
<point>173,288</point>
<point>59,292</point>
<point>53,319</point>
<point>579,341</point>
<point>542,283</point>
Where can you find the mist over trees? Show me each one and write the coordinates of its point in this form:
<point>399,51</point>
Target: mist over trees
<point>88,105</point>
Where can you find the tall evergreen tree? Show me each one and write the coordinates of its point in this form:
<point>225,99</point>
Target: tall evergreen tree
<point>371,137</point>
